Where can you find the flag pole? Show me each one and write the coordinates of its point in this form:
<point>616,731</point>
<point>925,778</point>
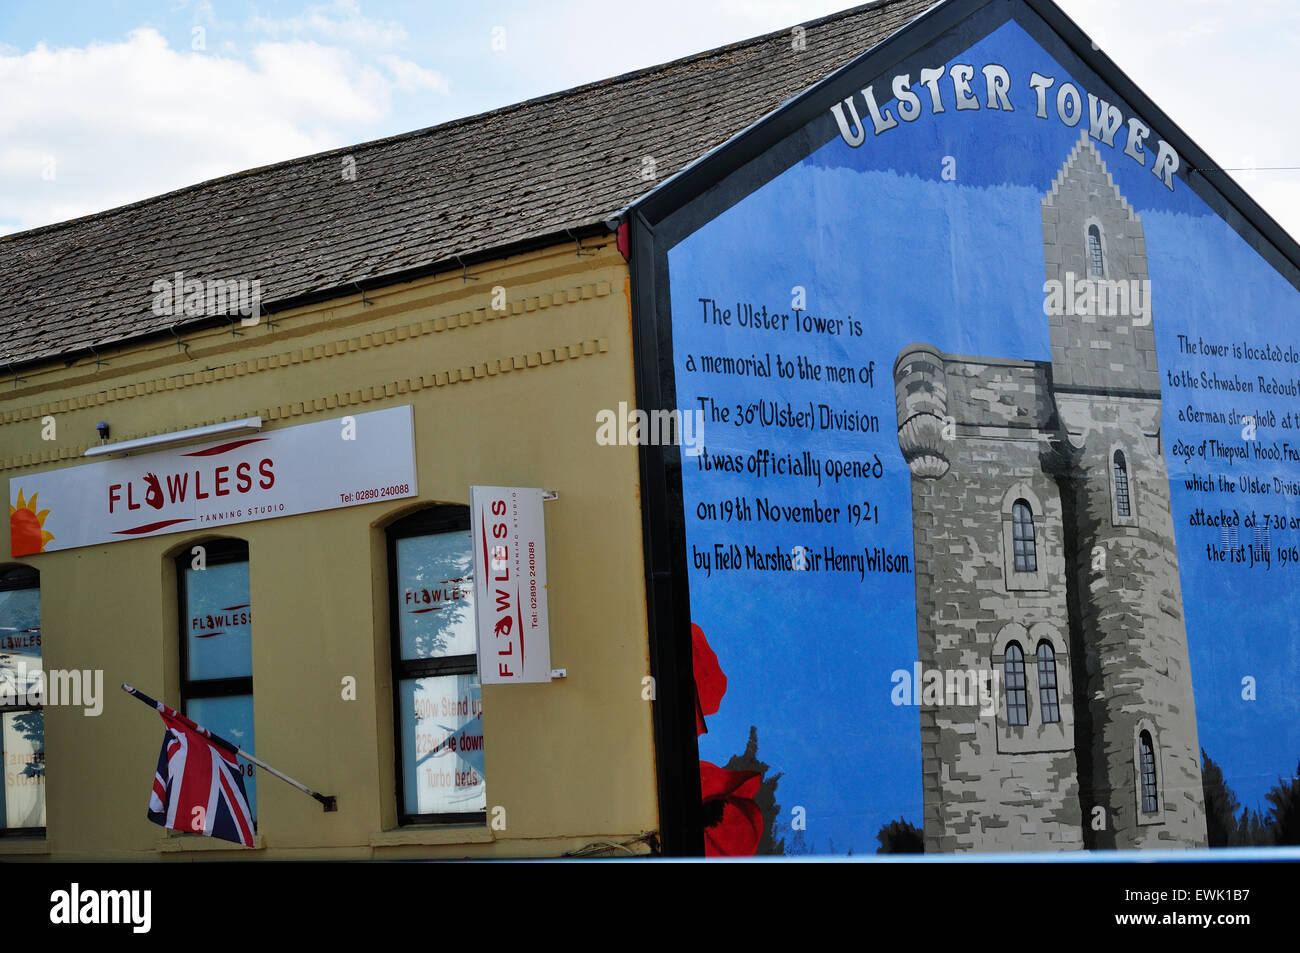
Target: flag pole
<point>328,801</point>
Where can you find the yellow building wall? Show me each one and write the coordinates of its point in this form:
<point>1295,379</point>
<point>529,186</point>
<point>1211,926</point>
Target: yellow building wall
<point>499,397</point>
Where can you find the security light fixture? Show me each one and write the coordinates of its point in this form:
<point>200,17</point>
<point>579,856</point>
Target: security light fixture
<point>175,438</point>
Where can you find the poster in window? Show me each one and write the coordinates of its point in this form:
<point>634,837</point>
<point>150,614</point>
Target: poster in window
<point>20,642</point>
<point>219,620</point>
<point>22,748</point>
<point>435,576</point>
<point>442,738</point>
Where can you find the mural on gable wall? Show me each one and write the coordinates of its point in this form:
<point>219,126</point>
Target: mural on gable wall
<point>992,521</point>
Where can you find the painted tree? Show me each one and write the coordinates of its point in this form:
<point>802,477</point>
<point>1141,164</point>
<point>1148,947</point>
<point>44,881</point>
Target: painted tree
<point>900,837</point>
<point>1221,806</point>
<point>1284,813</point>
<point>1253,830</point>
<point>766,796</point>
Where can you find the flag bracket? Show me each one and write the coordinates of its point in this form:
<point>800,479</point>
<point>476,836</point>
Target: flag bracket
<point>327,801</point>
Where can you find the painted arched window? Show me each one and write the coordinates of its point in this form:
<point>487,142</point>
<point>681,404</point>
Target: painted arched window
<point>1048,699</point>
<point>1121,484</point>
<point>1095,263</point>
<point>1147,755</point>
<point>1013,670</point>
<point>1022,537</point>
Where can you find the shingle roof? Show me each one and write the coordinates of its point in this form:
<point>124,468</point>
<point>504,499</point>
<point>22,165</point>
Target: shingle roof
<point>494,181</point>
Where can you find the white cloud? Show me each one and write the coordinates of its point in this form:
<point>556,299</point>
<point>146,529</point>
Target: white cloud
<point>135,118</point>
<point>316,82</point>
<point>411,77</point>
<point>616,39</point>
<point>340,21</point>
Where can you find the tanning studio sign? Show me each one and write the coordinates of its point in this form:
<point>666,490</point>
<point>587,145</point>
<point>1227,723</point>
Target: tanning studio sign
<point>349,461</point>
<point>509,534</point>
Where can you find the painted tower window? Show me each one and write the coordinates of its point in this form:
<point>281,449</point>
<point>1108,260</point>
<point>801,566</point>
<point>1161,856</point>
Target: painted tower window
<point>1095,263</point>
<point>1022,536</point>
<point>1017,698</point>
<point>438,701</point>
<point>1148,766</point>
<point>217,646</point>
<point>22,718</point>
<point>1121,484</point>
<point>1049,700</point>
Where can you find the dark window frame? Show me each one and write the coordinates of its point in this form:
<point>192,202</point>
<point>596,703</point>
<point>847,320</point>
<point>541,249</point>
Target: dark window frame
<point>1096,254</point>
<point>1017,695</point>
<point>1049,696</point>
<point>11,579</point>
<point>217,552</point>
<point>1147,777</point>
<point>430,521</point>
<point>1023,558</point>
<point>1119,469</point>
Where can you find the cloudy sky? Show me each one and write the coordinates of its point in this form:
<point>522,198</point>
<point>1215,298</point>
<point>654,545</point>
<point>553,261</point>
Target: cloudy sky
<point>109,101</point>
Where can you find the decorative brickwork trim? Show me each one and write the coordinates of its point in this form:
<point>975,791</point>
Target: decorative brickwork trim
<point>456,375</point>
<point>394,335</point>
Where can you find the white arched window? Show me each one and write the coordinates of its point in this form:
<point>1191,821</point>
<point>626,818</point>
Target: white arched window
<point>1147,768</point>
<point>1123,487</point>
<point>1096,261</point>
<point>1024,550</point>
<point>1148,773</point>
<point>1049,703</point>
<point>1121,484</point>
<point>1022,537</point>
<point>1013,670</point>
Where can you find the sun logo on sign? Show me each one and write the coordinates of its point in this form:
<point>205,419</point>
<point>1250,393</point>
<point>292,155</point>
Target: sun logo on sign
<point>27,533</point>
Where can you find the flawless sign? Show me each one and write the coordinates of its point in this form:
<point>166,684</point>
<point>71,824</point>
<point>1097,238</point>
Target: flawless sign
<point>348,461</point>
<point>509,533</point>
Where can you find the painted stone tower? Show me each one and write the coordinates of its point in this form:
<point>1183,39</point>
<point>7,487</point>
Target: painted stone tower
<point>1046,562</point>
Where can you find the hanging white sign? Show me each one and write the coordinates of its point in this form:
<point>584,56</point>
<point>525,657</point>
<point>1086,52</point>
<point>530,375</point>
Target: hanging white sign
<point>509,532</point>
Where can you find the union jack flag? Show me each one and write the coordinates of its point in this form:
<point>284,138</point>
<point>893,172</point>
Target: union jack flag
<point>198,787</point>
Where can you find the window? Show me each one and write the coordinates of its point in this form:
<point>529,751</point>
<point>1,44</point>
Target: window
<point>1048,700</point>
<point>1013,666</point>
<point>437,699</point>
<point>1022,536</point>
<point>217,646</point>
<point>1147,755</point>
<point>1121,484</point>
<point>1022,569</point>
<point>22,720</point>
<point>1016,653</point>
<point>1095,263</point>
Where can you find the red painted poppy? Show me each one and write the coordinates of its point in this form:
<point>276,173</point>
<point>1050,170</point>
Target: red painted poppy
<point>710,683</point>
<point>733,823</point>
